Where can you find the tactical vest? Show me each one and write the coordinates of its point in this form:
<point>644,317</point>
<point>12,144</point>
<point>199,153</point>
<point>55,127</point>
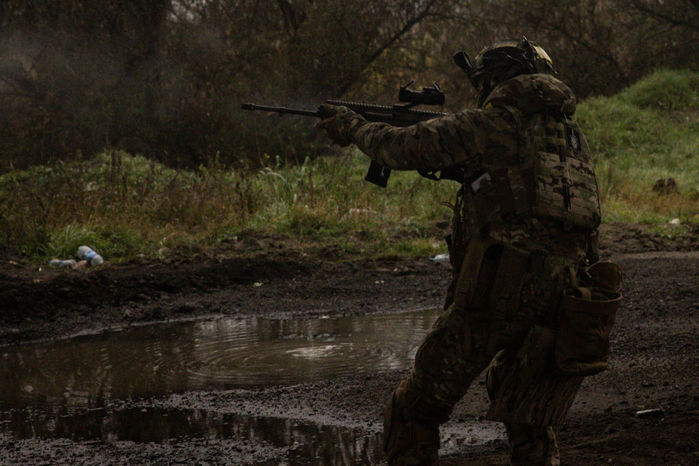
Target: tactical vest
<point>550,177</point>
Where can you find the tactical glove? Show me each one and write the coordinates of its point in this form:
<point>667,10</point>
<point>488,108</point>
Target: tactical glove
<point>336,121</point>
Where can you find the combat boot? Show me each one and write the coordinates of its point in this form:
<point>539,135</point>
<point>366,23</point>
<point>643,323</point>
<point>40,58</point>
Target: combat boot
<point>408,442</point>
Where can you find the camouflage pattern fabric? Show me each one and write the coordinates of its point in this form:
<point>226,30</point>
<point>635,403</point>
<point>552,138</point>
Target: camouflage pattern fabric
<point>529,444</point>
<point>462,341</point>
<point>528,187</point>
<point>533,162</point>
<point>462,344</point>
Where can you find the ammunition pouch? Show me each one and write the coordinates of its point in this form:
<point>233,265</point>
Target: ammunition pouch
<point>587,316</point>
<point>473,276</point>
<point>491,278</point>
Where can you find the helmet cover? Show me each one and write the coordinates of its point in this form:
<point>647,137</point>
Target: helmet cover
<point>504,60</point>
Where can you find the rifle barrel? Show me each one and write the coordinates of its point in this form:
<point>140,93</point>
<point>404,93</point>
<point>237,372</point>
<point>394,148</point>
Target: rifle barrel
<point>280,110</point>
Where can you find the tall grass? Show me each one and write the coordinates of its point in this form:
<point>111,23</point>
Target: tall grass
<point>126,206</point>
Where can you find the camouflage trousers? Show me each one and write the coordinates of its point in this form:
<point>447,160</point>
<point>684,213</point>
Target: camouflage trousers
<point>461,345</point>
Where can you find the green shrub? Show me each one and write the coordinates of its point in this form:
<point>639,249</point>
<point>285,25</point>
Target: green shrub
<point>665,90</point>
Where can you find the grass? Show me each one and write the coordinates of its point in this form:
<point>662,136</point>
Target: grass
<point>126,206</point>
<point>646,133</point>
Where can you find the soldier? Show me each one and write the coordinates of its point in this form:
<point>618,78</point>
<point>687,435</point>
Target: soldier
<point>524,230</point>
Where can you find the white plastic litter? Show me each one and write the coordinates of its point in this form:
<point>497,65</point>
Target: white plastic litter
<point>92,258</point>
<point>440,258</point>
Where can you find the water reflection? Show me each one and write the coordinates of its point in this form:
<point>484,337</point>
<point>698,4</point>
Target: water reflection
<point>304,443</point>
<point>214,355</point>
<point>65,389</point>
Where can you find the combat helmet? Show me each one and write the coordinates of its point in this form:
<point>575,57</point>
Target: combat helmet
<point>501,61</point>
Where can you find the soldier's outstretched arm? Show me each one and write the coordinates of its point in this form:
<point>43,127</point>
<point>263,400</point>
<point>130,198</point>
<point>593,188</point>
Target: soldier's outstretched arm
<point>454,140</point>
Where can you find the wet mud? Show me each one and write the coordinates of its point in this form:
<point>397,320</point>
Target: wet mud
<point>277,439</point>
<point>289,360</point>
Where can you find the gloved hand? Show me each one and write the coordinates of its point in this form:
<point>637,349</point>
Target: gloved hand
<point>336,121</point>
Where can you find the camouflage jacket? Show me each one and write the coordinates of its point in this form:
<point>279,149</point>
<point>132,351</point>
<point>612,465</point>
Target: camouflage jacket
<point>528,178</point>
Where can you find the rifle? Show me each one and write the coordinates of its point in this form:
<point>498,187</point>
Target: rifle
<point>396,115</point>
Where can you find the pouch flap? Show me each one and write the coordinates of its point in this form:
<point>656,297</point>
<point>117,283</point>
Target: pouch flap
<point>605,275</point>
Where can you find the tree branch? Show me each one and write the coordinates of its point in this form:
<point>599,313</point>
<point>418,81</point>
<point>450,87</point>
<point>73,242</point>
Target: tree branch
<point>409,24</point>
<point>642,7</point>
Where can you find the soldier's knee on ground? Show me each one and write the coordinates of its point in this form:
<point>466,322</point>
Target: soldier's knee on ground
<point>533,445</point>
<point>408,441</point>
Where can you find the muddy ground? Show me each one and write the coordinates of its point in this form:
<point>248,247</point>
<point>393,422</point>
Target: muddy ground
<point>654,361</point>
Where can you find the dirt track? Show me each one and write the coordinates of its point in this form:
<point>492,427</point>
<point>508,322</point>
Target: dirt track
<point>654,363</point>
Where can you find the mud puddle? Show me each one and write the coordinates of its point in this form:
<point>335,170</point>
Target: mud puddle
<point>68,388</point>
<point>221,354</point>
<point>298,442</point>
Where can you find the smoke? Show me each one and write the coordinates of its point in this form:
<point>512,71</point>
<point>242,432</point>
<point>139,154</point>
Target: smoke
<point>68,93</point>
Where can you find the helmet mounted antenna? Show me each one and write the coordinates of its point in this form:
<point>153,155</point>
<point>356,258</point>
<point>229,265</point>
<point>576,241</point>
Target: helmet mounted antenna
<point>529,51</point>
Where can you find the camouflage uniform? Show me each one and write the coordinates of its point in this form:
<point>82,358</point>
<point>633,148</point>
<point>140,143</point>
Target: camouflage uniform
<point>525,220</point>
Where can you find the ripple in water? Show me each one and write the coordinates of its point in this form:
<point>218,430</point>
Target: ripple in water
<point>211,355</point>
